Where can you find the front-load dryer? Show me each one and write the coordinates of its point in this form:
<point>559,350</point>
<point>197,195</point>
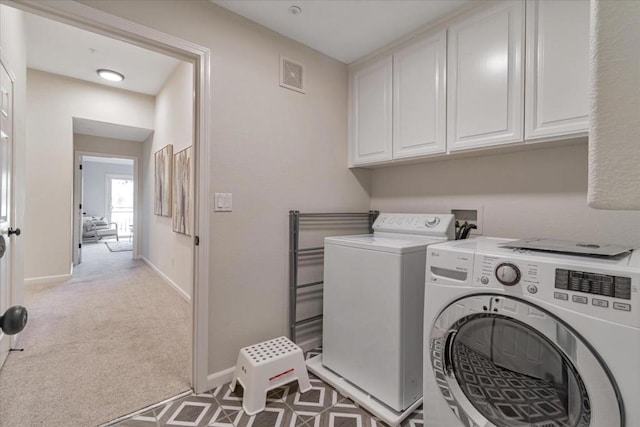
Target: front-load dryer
<point>518,338</point>
<point>373,305</point>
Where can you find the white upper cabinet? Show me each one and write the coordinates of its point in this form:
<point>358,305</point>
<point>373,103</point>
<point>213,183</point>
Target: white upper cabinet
<point>485,78</point>
<point>557,96</point>
<point>419,103</point>
<point>371,120</point>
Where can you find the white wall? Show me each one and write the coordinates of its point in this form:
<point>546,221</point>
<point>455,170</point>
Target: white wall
<point>52,102</point>
<point>273,148</point>
<point>537,193</point>
<point>169,252</point>
<point>94,177</point>
<point>13,44</point>
<point>614,148</point>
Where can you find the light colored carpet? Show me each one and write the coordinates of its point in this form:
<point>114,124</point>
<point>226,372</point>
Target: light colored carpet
<point>119,246</point>
<point>110,341</point>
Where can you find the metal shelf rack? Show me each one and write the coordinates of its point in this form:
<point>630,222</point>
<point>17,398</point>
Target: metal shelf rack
<point>297,221</point>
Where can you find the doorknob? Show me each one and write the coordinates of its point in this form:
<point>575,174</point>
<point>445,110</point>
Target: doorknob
<point>11,231</point>
<point>13,320</point>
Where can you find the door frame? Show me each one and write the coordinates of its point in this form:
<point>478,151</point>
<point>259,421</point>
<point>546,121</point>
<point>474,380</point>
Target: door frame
<point>12,208</point>
<point>87,18</point>
<point>77,235</point>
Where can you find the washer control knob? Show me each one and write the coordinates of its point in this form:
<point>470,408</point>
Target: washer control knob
<point>508,274</point>
<point>432,222</point>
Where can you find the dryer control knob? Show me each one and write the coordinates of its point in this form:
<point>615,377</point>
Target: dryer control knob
<point>508,274</point>
<point>432,222</point>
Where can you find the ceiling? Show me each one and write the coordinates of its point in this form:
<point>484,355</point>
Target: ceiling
<point>344,29</point>
<point>69,51</point>
<point>110,130</point>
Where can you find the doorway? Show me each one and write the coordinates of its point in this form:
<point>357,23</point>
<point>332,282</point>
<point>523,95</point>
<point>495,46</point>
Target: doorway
<point>200,58</point>
<point>106,196</point>
<point>81,16</point>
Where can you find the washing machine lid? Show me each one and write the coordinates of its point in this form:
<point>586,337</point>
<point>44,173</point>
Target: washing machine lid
<point>498,247</point>
<point>391,243</point>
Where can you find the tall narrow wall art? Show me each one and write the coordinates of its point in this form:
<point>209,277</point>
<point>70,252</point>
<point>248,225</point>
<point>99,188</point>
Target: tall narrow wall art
<point>163,179</point>
<point>183,192</point>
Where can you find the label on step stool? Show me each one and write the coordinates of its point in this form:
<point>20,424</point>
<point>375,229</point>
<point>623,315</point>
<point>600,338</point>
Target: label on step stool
<point>280,375</point>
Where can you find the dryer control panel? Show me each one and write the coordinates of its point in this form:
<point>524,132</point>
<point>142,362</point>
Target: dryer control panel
<point>608,289</point>
<point>434,225</point>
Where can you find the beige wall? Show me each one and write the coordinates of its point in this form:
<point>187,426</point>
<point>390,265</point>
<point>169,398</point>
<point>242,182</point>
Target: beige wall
<point>13,44</point>
<point>170,252</point>
<point>52,102</point>
<point>273,148</point>
<point>536,193</point>
<point>109,146</point>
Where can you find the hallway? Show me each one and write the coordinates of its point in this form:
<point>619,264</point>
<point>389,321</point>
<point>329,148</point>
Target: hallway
<point>111,340</point>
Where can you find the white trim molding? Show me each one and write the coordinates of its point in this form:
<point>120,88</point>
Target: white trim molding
<point>47,279</point>
<point>167,280</point>
<point>82,16</point>
<point>220,378</point>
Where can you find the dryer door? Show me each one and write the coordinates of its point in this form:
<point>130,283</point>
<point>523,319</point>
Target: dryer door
<point>501,361</point>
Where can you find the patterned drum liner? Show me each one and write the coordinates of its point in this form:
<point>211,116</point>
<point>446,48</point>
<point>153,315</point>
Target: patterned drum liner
<point>504,397</point>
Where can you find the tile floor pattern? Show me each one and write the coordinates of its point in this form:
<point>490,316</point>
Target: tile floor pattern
<point>322,406</point>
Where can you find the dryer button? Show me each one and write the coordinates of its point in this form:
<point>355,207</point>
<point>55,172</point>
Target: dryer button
<point>580,299</point>
<point>532,289</point>
<point>621,306</point>
<point>484,280</point>
<point>600,302</point>
<point>561,295</point>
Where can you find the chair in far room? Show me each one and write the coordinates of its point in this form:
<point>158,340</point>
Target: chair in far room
<point>95,228</point>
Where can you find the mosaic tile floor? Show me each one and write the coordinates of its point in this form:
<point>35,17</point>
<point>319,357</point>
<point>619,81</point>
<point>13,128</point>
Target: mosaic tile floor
<point>322,406</point>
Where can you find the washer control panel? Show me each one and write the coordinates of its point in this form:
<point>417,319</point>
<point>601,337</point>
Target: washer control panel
<point>593,283</point>
<point>437,225</point>
<point>614,297</point>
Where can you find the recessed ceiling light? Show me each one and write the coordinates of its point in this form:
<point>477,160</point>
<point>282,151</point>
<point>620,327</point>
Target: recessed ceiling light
<point>112,76</point>
<point>295,10</point>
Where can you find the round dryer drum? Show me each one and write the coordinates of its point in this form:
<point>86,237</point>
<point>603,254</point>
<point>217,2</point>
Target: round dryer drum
<point>512,364</point>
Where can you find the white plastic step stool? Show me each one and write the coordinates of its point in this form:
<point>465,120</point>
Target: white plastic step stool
<point>268,365</point>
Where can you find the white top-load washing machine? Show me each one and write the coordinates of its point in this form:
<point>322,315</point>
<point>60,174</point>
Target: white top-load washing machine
<point>517,337</point>
<point>373,305</point>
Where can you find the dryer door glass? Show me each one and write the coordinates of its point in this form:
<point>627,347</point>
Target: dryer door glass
<point>501,361</point>
<point>514,376</point>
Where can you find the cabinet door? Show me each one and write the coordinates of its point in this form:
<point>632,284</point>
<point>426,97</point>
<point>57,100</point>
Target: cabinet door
<point>557,88</point>
<point>419,104</point>
<point>485,78</point>
<point>371,114</point>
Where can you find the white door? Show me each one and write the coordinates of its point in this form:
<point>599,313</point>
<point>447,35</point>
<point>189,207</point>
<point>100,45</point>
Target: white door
<point>370,122</point>
<point>485,78</point>
<point>419,104</point>
<point>6,153</point>
<point>557,101</point>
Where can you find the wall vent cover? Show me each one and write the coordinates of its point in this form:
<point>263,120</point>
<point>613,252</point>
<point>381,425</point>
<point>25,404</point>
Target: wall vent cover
<point>291,74</point>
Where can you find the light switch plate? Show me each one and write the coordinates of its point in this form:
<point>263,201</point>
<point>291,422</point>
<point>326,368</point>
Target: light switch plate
<point>222,202</point>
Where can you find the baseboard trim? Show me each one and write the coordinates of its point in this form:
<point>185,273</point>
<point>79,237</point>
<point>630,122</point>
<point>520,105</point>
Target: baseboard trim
<point>310,344</point>
<point>220,378</point>
<point>167,280</point>
<point>47,279</point>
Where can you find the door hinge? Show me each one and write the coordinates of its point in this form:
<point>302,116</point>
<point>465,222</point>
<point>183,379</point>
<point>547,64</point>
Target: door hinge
<point>80,206</point>
<point>79,245</point>
<point>80,167</point>
<point>196,240</point>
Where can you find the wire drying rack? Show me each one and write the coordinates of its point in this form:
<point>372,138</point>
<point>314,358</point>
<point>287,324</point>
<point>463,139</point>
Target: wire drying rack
<point>297,223</point>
